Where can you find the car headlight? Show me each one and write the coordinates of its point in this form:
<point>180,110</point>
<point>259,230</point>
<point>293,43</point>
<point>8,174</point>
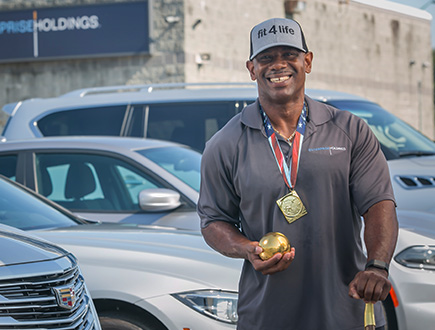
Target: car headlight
<point>219,305</point>
<point>421,257</point>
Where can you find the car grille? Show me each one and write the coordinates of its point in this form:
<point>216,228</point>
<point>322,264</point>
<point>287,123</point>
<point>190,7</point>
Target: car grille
<point>415,182</point>
<point>32,302</point>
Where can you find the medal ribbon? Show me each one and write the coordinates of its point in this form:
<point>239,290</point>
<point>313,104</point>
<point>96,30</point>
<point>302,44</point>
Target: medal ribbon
<point>289,173</point>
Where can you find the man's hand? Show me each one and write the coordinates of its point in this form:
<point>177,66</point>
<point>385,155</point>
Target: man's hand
<point>370,285</point>
<point>226,239</point>
<point>277,263</point>
<point>380,236</point>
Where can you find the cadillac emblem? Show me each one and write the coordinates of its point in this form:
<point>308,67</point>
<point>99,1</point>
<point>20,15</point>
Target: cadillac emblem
<point>65,296</point>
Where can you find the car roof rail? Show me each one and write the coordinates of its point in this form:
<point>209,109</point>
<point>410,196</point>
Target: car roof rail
<point>149,88</point>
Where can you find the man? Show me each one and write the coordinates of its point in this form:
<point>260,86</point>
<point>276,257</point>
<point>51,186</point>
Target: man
<point>249,188</point>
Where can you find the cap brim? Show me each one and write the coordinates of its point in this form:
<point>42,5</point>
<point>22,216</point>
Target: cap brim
<point>275,45</point>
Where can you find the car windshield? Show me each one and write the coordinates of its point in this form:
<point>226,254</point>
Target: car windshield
<point>20,209</point>
<point>397,138</point>
<point>183,163</point>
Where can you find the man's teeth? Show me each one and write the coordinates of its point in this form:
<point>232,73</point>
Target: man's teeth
<point>280,79</point>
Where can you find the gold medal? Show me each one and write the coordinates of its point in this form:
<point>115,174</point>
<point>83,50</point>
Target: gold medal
<point>291,206</point>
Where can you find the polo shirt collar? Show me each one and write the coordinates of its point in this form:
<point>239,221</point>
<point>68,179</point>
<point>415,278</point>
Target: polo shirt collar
<point>317,115</point>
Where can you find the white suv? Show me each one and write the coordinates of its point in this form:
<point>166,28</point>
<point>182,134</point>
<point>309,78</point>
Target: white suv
<point>192,113</point>
<point>186,113</point>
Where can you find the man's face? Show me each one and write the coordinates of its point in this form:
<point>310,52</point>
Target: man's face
<point>280,73</point>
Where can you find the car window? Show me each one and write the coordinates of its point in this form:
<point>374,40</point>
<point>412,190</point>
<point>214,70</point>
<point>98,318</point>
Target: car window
<point>184,163</point>
<point>397,138</point>
<point>21,210</point>
<point>134,182</point>
<point>8,165</point>
<point>86,121</point>
<point>191,124</point>
<point>85,182</point>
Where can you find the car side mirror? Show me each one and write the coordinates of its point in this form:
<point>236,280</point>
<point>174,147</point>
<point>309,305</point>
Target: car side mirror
<point>159,199</point>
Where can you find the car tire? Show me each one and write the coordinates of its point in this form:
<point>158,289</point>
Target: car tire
<point>120,322</point>
<point>108,323</point>
<point>390,314</point>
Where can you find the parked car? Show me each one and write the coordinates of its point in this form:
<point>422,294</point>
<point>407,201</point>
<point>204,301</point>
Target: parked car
<point>140,277</point>
<point>113,179</point>
<point>41,285</point>
<point>159,111</point>
<point>410,155</point>
<point>192,113</point>
<point>159,278</point>
<point>186,113</point>
<point>411,272</point>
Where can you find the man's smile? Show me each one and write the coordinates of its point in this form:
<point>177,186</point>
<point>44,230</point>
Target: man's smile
<point>279,79</point>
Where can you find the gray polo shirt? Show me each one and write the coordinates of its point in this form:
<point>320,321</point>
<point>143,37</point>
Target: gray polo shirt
<point>342,173</point>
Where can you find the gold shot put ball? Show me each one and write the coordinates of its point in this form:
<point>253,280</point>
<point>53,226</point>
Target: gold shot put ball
<point>272,243</point>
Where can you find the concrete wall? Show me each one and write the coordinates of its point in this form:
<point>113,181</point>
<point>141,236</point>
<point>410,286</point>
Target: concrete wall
<point>369,51</point>
<point>357,48</point>
<point>223,33</point>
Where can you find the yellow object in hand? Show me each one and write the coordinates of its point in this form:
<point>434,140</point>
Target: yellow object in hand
<point>273,243</point>
<point>369,317</point>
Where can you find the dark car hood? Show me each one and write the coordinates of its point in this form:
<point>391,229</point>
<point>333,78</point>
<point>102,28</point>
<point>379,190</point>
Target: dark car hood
<point>18,247</point>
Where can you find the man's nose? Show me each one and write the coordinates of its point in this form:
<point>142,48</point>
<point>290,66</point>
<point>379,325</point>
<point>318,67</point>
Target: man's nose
<point>279,62</point>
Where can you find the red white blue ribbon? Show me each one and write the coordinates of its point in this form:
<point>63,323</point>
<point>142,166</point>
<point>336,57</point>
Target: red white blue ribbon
<point>289,173</point>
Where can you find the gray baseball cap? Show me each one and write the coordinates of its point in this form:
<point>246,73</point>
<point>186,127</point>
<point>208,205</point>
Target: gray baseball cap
<point>277,32</point>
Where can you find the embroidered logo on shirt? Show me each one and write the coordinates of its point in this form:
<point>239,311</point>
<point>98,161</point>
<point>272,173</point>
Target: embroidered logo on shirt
<point>331,150</point>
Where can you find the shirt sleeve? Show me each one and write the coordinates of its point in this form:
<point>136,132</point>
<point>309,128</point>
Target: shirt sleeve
<point>218,200</point>
<point>370,180</point>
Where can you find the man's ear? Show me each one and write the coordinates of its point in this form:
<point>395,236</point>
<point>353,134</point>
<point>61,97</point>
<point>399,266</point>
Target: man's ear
<point>308,62</point>
<point>250,67</point>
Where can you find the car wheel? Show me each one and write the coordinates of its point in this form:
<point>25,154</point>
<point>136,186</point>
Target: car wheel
<point>121,322</point>
<point>108,323</point>
<point>390,314</point>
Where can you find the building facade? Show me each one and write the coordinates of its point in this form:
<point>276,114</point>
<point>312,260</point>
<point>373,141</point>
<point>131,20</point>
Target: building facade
<point>375,49</point>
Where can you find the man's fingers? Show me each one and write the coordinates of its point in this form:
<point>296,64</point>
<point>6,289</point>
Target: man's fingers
<point>257,250</point>
<point>369,286</point>
<point>278,263</point>
<point>352,291</point>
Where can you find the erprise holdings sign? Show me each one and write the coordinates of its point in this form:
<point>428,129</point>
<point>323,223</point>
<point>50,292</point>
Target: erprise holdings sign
<point>68,32</point>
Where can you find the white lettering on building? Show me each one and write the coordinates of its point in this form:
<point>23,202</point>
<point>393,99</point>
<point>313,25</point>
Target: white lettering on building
<point>67,23</point>
<point>50,24</point>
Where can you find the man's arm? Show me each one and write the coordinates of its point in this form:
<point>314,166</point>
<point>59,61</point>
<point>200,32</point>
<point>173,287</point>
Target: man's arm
<point>380,236</point>
<point>229,241</point>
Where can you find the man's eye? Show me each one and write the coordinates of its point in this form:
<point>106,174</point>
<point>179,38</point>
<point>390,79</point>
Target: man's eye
<point>265,58</point>
<point>292,54</point>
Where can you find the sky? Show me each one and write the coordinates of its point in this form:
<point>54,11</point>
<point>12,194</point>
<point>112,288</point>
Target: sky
<point>429,7</point>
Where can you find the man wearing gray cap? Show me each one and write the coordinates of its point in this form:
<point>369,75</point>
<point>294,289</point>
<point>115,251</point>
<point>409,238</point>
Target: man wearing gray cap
<point>292,165</point>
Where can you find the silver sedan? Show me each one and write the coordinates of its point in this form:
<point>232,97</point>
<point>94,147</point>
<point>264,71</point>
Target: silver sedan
<point>111,179</point>
<point>140,277</point>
